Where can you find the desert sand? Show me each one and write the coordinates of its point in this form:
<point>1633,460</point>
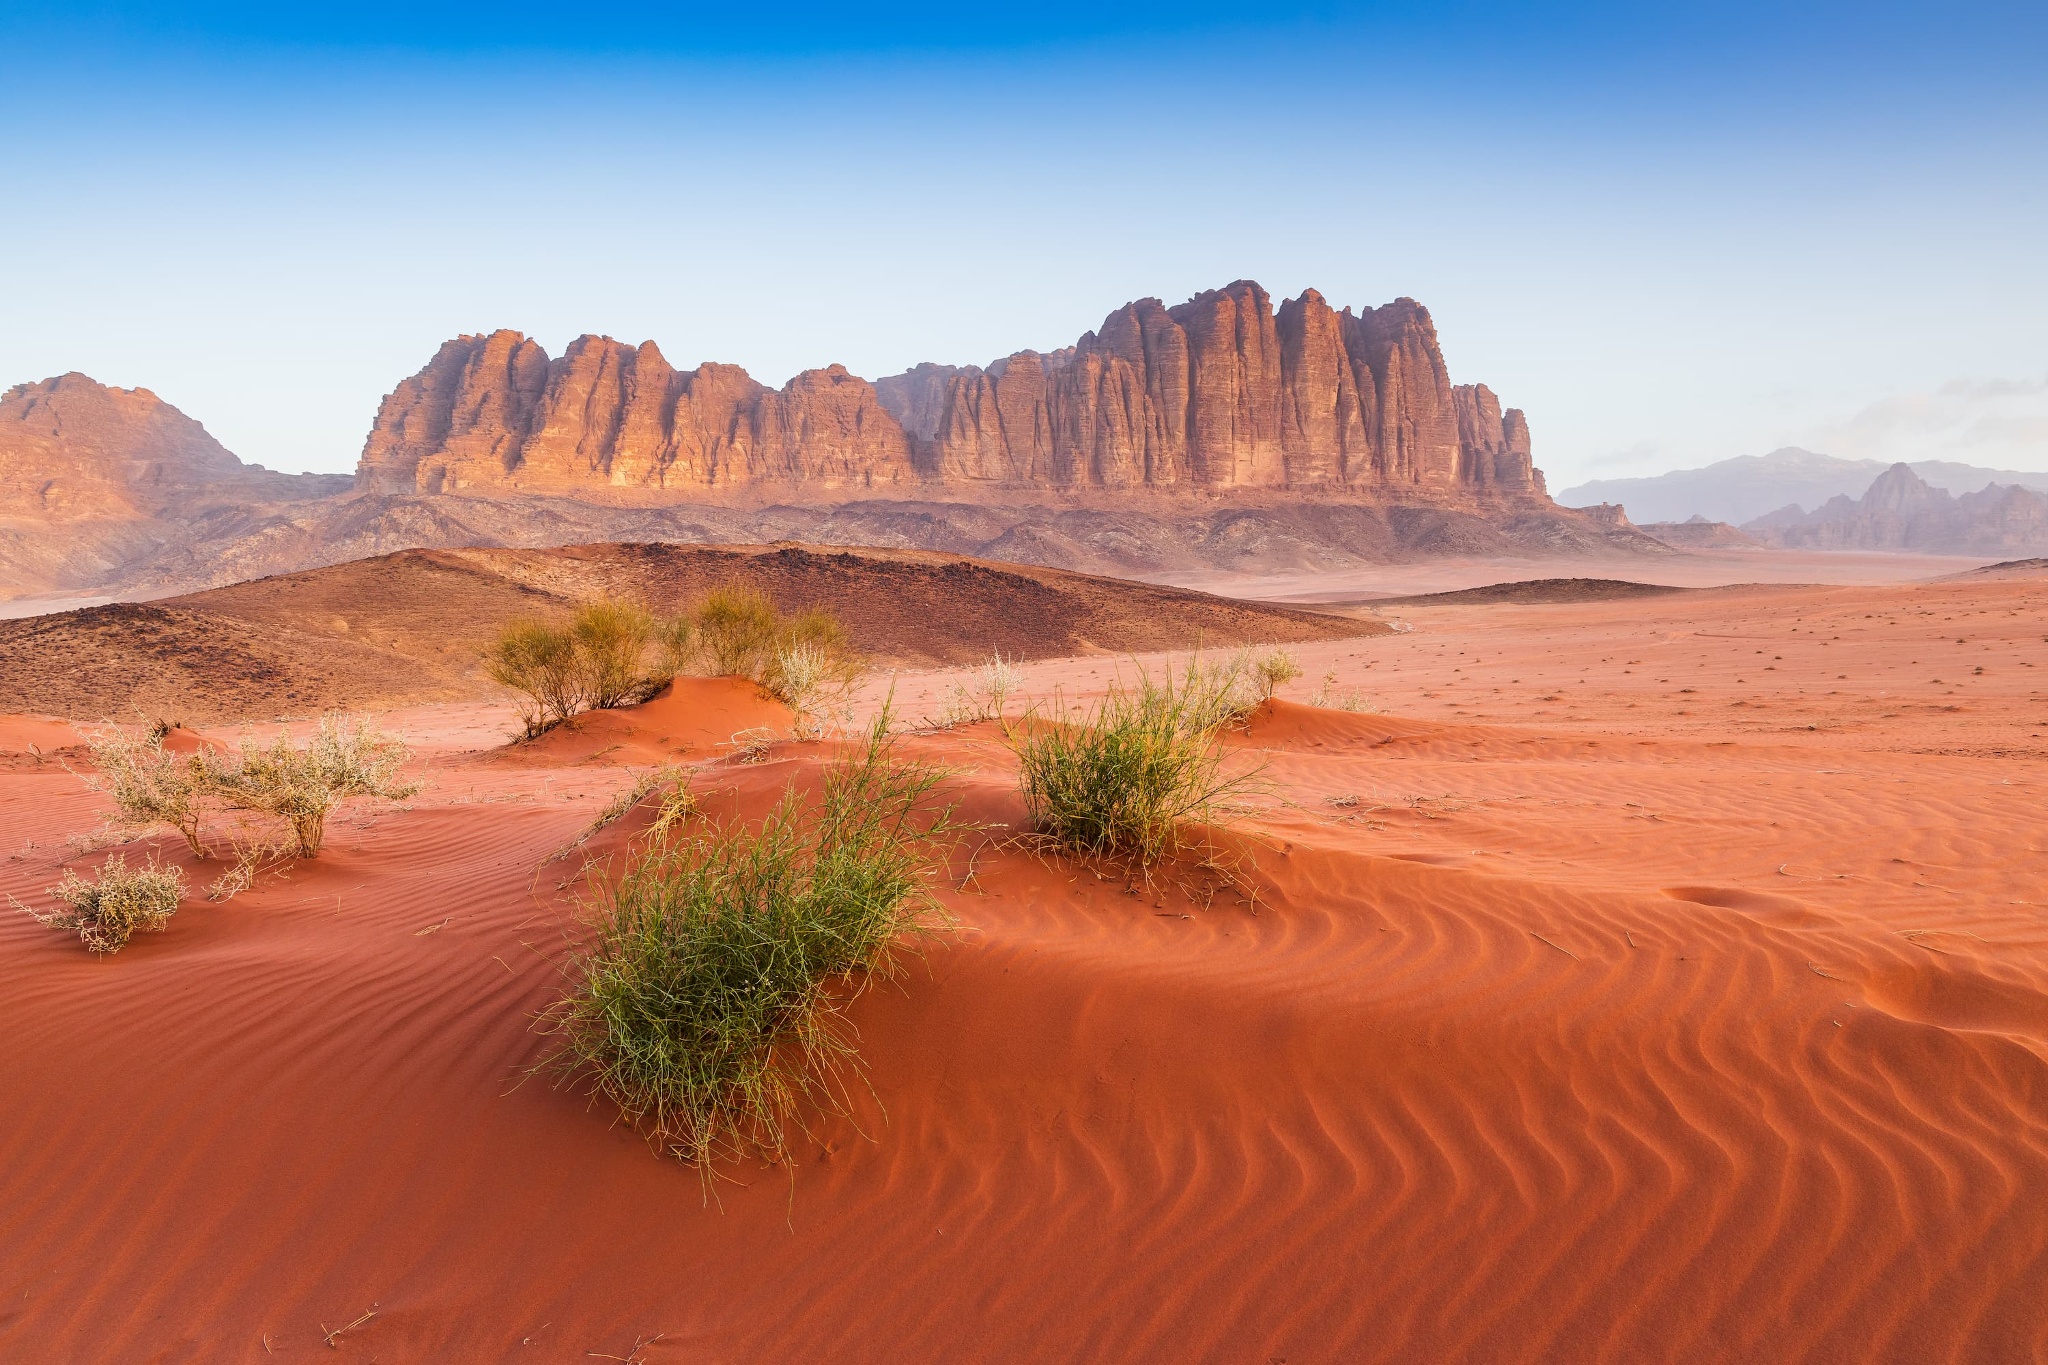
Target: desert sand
<point>1648,980</point>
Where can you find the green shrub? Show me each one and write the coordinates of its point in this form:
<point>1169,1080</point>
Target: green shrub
<point>345,759</point>
<point>708,1001</point>
<point>106,910</point>
<point>675,640</point>
<point>1272,669</point>
<point>150,785</point>
<point>1127,780</point>
<point>538,660</point>
<point>736,631</point>
<point>611,636</point>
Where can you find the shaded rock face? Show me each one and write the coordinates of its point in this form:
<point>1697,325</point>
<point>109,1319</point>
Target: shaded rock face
<point>1902,511</point>
<point>1221,392</point>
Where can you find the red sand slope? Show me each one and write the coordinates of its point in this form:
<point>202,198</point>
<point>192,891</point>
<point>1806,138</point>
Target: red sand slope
<point>1540,1047</point>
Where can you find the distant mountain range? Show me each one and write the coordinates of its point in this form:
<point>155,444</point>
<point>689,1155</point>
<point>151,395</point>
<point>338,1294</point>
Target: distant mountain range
<point>1902,511</point>
<point>1223,432</point>
<point>1750,486</point>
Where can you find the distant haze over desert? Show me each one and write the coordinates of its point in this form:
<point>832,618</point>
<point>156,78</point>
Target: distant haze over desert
<point>1162,683</point>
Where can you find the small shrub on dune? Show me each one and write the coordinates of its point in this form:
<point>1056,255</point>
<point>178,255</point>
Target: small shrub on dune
<point>736,631</point>
<point>708,1003</point>
<point>106,910</point>
<point>675,642</point>
<point>1129,779</point>
<point>538,661</point>
<point>611,636</point>
<point>1272,670</point>
<point>344,760</point>
<point>151,785</point>
<point>741,634</point>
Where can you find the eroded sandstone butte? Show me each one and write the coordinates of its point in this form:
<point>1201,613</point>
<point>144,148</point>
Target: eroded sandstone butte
<point>1222,392</point>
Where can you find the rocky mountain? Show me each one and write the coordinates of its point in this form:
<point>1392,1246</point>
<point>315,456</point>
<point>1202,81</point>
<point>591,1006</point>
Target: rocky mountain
<point>97,484</point>
<point>1749,486</point>
<point>1222,433</point>
<point>1223,392</point>
<point>1902,511</point>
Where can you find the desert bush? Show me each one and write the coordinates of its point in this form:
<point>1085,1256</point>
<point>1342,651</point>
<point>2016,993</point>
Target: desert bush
<point>675,642</point>
<point>984,695</point>
<point>538,660</point>
<point>1272,670</point>
<point>104,911</point>
<point>736,630</point>
<point>151,785</point>
<point>813,664</point>
<point>708,1001</point>
<point>1128,779</point>
<point>805,660</point>
<point>806,679</point>
<point>611,637</point>
<point>345,759</point>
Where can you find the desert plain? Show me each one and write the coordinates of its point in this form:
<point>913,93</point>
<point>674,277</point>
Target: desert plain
<point>1639,976</point>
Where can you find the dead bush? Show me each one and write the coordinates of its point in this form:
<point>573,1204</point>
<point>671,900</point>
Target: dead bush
<point>344,760</point>
<point>105,910</point>
<point>150,785</point>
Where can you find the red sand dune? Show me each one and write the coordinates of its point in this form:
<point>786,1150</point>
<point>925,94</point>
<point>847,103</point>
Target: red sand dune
<point>1556,1042</point>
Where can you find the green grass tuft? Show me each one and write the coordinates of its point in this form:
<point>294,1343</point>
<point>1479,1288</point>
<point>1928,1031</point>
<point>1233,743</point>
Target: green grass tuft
<point>1129,779</point>
<point>708,1002</point>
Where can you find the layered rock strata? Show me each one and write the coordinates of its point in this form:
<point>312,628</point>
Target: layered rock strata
<point>1221,392</point>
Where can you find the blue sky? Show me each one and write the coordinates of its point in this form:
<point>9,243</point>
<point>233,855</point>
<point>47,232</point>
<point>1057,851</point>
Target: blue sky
<point>1670,235</point>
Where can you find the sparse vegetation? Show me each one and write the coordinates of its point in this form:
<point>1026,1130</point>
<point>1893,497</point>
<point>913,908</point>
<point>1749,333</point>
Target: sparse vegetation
<point>611,637</point>
<point>599,659</point>
<point>806,661</point>
<point>151,785</point>
<point>538,661</point>
<point>736,631</point>
<point>1272,670</point>
<point>985,694</point>
<point>675,640</point>
<point>344,760</point>
<point>1129,779</point>
<point>1329,697</point>
<point>708,1003</point>
<point>106,910</point>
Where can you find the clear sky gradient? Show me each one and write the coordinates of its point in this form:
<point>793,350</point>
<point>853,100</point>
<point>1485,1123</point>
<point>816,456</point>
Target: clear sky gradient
<point>1672,234</point>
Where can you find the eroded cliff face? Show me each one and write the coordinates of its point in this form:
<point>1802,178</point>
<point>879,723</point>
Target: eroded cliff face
<point>495,413</point>
<point>1221,392</point>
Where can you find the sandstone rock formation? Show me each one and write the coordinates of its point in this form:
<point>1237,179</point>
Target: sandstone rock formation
<point>97,481</point>
<point>494,413</point>
<point>1223,433</point>
<point>1222,392</point>
<point>1902,511</point>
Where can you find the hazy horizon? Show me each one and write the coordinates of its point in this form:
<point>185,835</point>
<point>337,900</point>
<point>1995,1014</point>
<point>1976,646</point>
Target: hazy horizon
<point>1670,239</point>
